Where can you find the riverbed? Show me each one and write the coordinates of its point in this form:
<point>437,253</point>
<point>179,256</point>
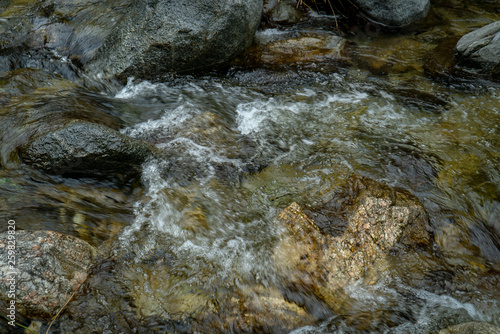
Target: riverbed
<point>188,244</point>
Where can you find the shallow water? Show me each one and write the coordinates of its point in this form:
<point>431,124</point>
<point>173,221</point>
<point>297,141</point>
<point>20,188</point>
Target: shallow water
<point>190,244</point>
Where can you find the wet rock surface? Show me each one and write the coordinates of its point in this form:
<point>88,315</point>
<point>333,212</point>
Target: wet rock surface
<point>84,147</point>
<point>282,11</point>
<point>36,102</point>
<point>89,209</point>
<point>63,37</point>
<point>50,267</point>
<point>391,55</point>
<point>152,292</point>
<point>480,49</point>
<point>374,221</point>
<point>158,37</point>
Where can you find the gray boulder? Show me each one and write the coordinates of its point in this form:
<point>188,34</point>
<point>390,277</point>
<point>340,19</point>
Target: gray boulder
<point>376,222</point>
<point>393,13</point>
<point>84,147</point>
<point>163,36</point>
<point>481,49</point>
<point>48,269</point>
<point>282,11</point>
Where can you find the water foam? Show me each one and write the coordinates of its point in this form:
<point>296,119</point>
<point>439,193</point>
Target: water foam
<point>255,116</point>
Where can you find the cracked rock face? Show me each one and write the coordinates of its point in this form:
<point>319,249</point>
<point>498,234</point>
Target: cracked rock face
<point>481,49</point>
<point>49,267</point>
<point>379,221</point>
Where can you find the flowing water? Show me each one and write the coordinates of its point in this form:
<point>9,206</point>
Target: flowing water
<point>313,136</point>
<point>190,244</point>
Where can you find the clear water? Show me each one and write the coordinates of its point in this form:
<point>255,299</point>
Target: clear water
<point>189,246</point>
<point>312,137</point>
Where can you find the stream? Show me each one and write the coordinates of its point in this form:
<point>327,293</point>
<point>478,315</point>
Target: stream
<point>189,243</point>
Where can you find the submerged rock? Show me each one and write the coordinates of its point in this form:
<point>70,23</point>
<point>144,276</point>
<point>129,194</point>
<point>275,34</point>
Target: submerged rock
<point>161,36</point>
<point>258,309</point>
<point>390,55</point>
<point>125,37</point>
<point>30,82</point>
<point>472,328</point>
<point>277,50</point>
<point>481,49</point>
<point>84,147</point>
<point>49,268</point>
<point>374,221</point>
<point>440,61</point>
<point>393,13</point>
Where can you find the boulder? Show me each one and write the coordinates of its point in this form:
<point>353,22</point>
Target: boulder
<point>393,13</point>
<point>163,36</point>
<point>472,328</point>
<point>373,222</point>
<point>49,267</point>
<point>82,147</point>
<point>481,49</point>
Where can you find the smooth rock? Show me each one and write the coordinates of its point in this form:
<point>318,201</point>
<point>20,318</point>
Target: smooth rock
<point>390,55</point>
<point>393,13</point>
<point>481,49</point>
<point>472,328</point>
<point>49,268</point>
<point>88,148</point>
<point>160,36</point>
